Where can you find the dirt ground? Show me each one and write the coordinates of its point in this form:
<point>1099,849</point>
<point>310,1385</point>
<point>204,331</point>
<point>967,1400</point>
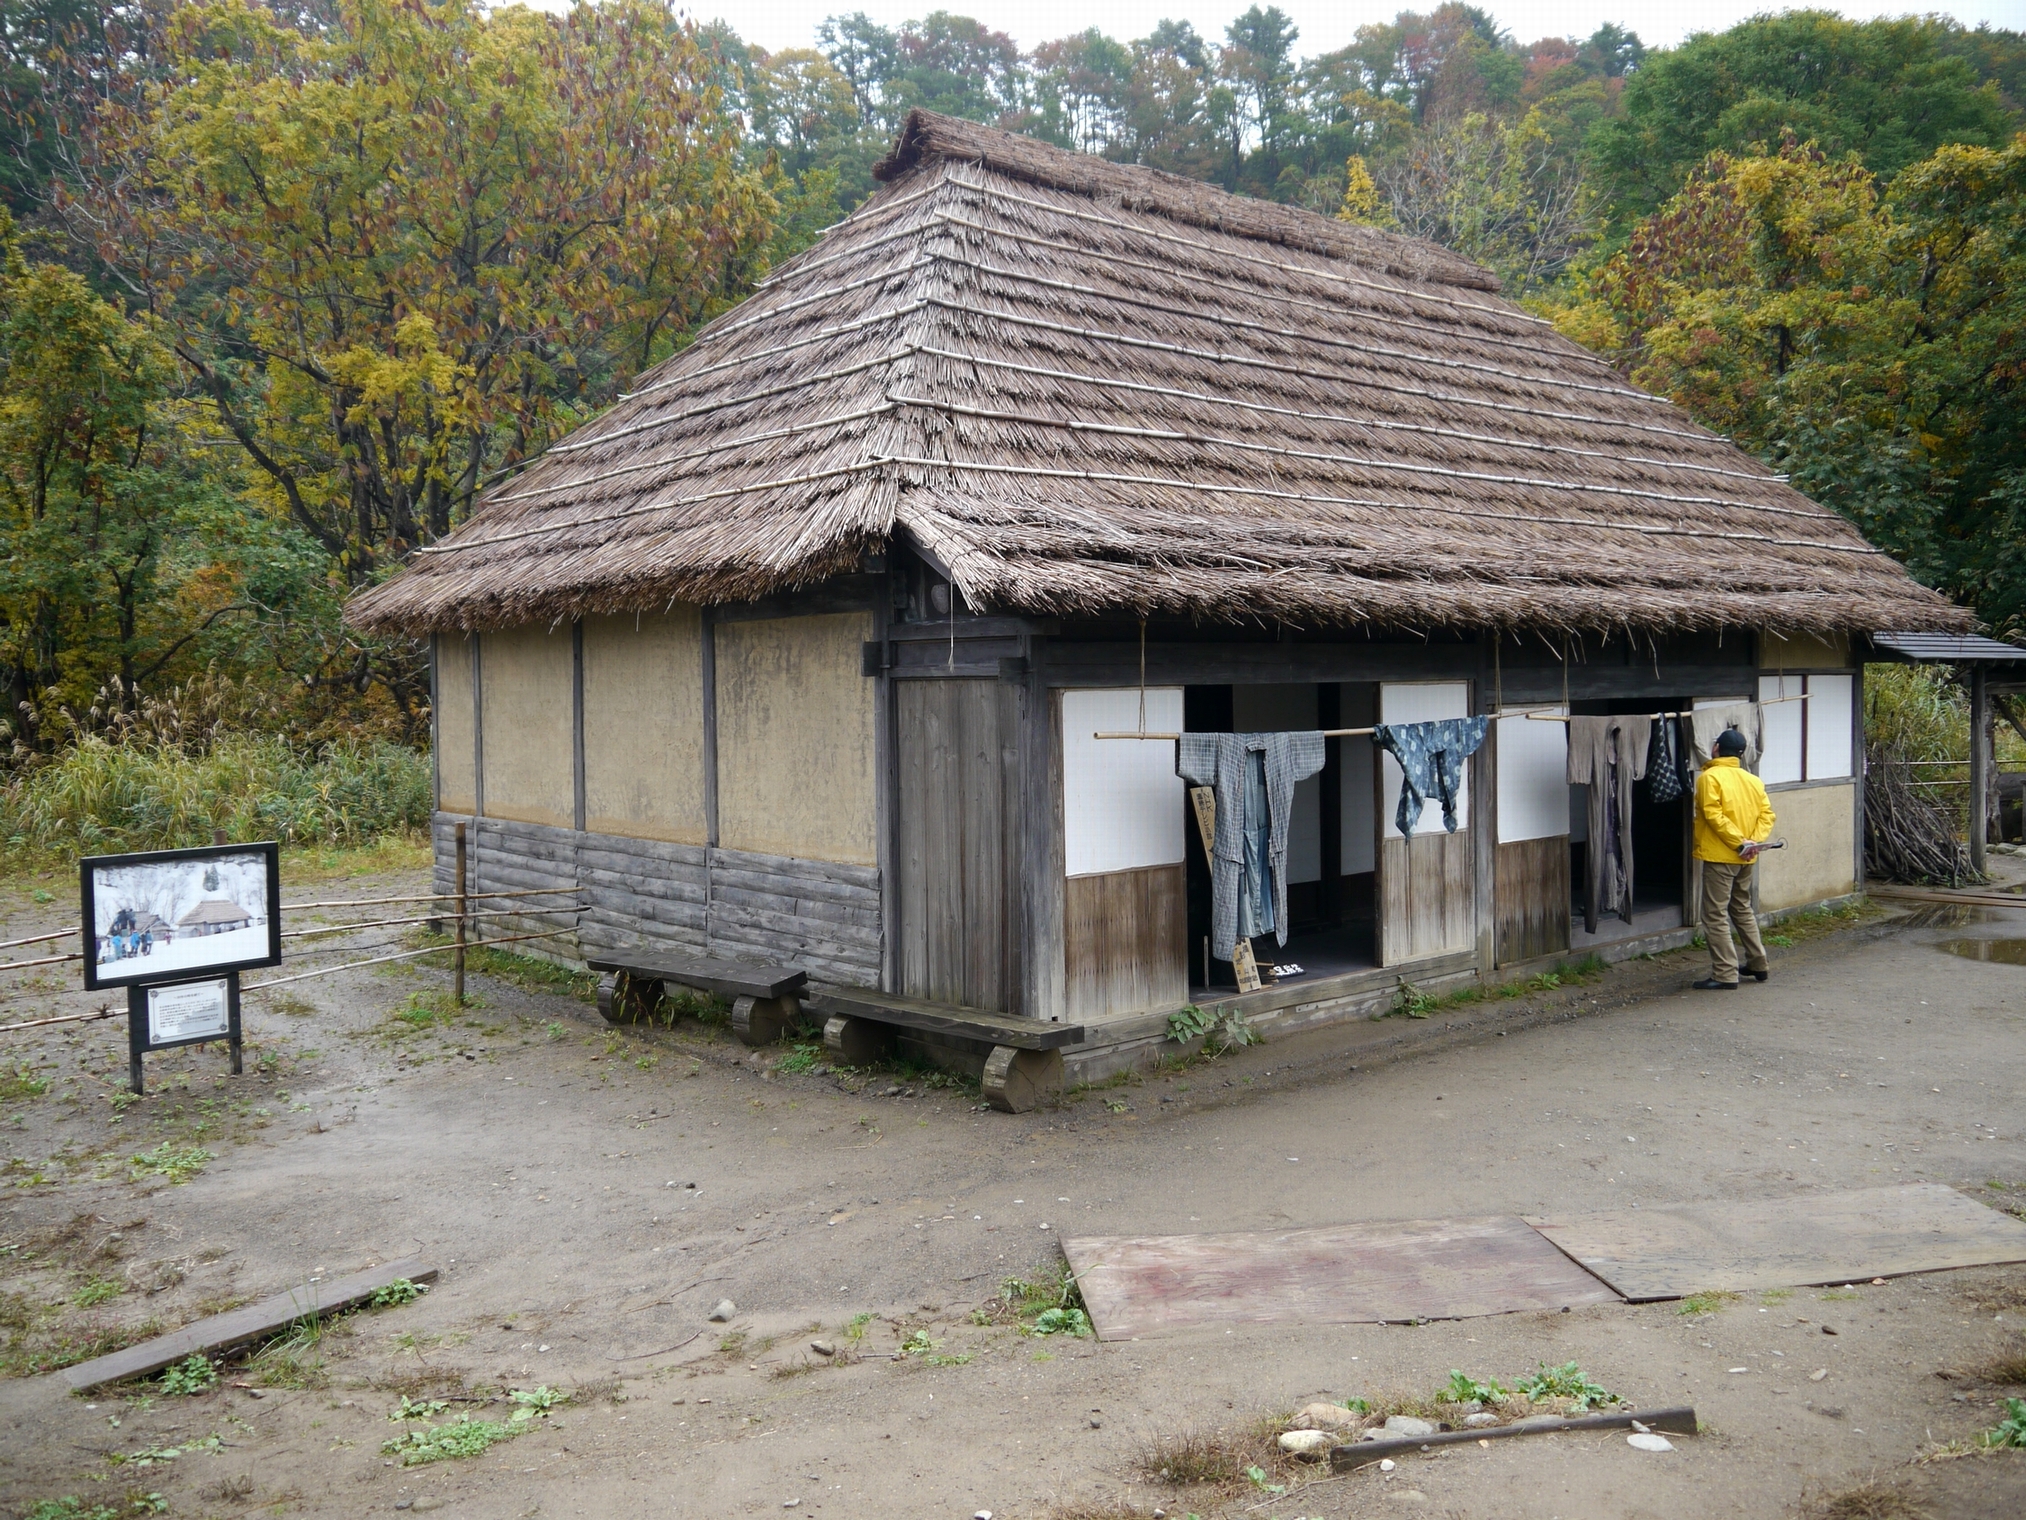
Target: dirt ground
<point>590,1195</point>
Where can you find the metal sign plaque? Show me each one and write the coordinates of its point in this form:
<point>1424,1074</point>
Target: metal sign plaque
<point>189,1011</point>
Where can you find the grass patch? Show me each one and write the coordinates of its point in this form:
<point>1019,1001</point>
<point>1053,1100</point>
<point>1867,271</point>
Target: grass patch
<point>166,1160</point>
<point>801,1058</point>
<point>527,972</point>
<point>1048,1303</point>
<point>1706,1303</point>
<point>2006,1370</point>
<point>293,1359</point>
<point>1567,1381</point>
<point>99,797</point>
<point>1867,1501</point>
<point>21,1082</point>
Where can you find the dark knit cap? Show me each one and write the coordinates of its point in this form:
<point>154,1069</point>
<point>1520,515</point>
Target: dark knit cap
<point>1730,742</point>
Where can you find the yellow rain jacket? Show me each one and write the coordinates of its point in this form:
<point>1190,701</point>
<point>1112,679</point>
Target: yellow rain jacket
<point>1731,806</point>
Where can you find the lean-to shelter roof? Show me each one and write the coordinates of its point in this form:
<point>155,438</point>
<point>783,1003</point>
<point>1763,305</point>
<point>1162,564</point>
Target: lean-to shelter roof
<point>1089,388</point>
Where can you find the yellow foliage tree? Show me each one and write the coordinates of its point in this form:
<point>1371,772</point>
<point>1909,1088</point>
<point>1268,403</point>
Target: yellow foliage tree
<point>407,243</point>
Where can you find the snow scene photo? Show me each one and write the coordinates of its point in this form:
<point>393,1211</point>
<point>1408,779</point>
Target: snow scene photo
<point>166,917</point>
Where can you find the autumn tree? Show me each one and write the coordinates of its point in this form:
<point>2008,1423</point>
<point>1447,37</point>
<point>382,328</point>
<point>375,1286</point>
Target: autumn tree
<point>1863,334</point>
<point>405,245</point>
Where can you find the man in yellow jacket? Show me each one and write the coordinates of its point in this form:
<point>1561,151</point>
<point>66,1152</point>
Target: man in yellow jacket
<point>1733,817</point>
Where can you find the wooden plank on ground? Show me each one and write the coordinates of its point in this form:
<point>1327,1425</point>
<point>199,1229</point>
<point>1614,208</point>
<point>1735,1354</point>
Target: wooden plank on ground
<point>223,1332</point>
<point>1340,1274</point>
<point>940,1018</point>
<point>1946,895</point>
<point>1825,1237</point>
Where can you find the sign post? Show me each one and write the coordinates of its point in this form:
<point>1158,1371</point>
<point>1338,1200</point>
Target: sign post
<point>175,928</point>
<point>162,1016</point>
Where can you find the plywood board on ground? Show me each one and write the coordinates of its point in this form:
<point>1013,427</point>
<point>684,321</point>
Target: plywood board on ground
<point>1826,1237</point>
<point>1341,1274</point>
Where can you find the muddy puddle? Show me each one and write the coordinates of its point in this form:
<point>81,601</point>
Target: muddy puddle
<point>2011,951</point>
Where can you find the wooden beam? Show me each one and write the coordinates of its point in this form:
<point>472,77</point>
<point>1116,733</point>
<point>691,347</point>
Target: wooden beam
<point>577,723</point>
<point>224,1332</point>
<point>1980,767</point>
<point>933,1018</point>
<point>477,728</point>
<point>709,642</point>
<point>1677,1421</point>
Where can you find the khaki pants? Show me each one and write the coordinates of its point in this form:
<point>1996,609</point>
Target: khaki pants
<point>1727,904</point>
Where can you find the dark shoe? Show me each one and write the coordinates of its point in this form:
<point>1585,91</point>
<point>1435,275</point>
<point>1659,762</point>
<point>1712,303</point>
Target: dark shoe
<point>1760,976</point>
<point>1711,984</point>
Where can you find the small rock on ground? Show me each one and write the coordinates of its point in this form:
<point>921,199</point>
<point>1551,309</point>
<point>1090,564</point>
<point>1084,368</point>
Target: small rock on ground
<point>1408,1425</point>
<point>1479,1420</point>
<point>1307,1443</point>
<point>724,1311</point>
<point>823,1348</point>
<point>1325,1417</point>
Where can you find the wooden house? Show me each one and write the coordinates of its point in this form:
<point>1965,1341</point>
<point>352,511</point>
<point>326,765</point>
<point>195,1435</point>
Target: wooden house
<point>796,656</point>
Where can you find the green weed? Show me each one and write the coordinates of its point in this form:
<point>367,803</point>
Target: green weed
<point>1061,1322</point>
<point>70,1507</point>
<point>538,1400</point>
<point>293,1359</point>
<point>2010,1431</point>
<point>418,1409</point>
<point>854,1329</point>
<point>154,1456</point>
<point>399,1291</point>
<point>1462,1389</point>
<point>1222,1029</point>
<point>918,1344</point>
<point>165,1160</point>
<point>802,1058</point>
<point>194,1374</point>
<point>98,1291</point>
<point>462,1437</point>
<point>21,1082</point>
<point>1567,1381</point>
<point>1256,1476</point>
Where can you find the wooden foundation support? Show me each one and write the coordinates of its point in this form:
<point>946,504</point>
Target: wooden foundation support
<point>1019,1080</point>
<point>762,1021</point>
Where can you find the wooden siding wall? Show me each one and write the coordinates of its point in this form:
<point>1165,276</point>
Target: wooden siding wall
<point>818,916</point>
<point>1531,898</point>
<point>956,758</point>
<point>1125,941</point>
<point>1428,899</point>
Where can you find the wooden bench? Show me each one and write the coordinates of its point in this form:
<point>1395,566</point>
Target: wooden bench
<point>765,999</point>
<point>1023,1069</point>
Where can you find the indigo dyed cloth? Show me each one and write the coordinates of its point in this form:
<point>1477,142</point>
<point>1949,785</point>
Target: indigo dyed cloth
<point>1431,757</point>
<point>1227,764</point>
<point>1670,760</point>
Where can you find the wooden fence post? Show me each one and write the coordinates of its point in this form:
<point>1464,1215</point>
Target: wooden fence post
<point>1980,767</point>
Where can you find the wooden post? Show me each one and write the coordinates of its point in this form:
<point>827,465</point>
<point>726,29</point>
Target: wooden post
<point>463,916</point>
<point>1980,767</point>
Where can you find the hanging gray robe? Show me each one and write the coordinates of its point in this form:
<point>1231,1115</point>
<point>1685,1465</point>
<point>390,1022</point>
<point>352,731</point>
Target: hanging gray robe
<point>1219,761</point>
<point>1607,755</point>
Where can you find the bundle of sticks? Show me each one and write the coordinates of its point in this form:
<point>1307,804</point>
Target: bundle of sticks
<point>1908,837</point>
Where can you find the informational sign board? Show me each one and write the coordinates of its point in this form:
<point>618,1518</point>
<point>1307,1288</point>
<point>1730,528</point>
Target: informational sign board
<point>185,1012</point>
<point>175,915</point>
<point>170,1014</point>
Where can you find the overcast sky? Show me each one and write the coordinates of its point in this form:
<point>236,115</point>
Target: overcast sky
<point>1325,24</point>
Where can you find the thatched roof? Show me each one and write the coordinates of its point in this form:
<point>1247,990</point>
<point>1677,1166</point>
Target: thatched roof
<point>1086,388</point>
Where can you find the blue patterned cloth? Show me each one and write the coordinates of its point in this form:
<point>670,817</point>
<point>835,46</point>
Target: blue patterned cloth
<point>1253,776</point>
<point>1431,757</point>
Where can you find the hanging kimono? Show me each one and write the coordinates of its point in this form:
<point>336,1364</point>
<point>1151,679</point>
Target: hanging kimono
<point>1431,757</point>
<point>1708,722</point>
<point>1607,755</point>
<point>1253,776</point>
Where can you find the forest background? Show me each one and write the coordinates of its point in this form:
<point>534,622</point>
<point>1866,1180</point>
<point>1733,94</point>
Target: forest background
<point>283,287</point>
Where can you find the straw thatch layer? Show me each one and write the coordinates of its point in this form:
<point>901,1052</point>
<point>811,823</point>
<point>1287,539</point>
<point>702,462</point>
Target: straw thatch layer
<point>1086,388</point>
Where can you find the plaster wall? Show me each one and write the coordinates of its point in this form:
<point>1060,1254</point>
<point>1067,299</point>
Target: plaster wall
<point>796,770</point>
<point>526,711</point>
<point>456,778</point>
<point>1819,824</point>
<point>1803,651</point>
<point>643,726</point>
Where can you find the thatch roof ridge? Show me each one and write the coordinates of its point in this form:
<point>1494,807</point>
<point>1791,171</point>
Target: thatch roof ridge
<point>1082,403</point>
<point>930,135</point>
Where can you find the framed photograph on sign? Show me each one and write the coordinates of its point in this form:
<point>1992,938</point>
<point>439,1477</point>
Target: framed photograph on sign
<point>170,915</point>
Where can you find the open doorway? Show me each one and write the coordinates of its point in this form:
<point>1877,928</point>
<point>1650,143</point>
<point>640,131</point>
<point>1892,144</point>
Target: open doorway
<point>1659,854</point>
<point>1331,897</point>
